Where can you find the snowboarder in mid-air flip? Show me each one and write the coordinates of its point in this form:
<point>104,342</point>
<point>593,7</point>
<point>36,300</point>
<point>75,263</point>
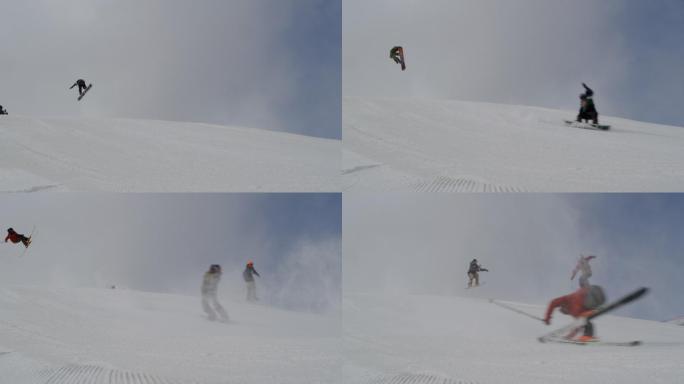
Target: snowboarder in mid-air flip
<point>248,276</point>
<point>587,107</point>
<point>579,304</point>
<point>584,268</point>
<point>15,238</point>
<point>82,88</point>
<point>473,273</point>
<point>209,294</point>
<point>397,54</point>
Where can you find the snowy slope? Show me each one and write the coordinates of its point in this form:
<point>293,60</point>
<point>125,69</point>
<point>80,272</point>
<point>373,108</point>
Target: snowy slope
<point>429,145</point>
<point>120,336</point>
<point>677,321</point>
<point>430,339</point>
<point>87,154</point>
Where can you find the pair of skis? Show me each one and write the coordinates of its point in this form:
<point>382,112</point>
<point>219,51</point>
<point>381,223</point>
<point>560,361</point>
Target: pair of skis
<point>557,335</point>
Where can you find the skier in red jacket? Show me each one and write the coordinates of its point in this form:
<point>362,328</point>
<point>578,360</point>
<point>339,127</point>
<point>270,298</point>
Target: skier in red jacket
<point>15,237</point>
<point>579,304</point>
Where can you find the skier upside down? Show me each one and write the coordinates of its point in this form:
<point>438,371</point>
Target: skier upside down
<point>579,304</point>
<point>15,238</point>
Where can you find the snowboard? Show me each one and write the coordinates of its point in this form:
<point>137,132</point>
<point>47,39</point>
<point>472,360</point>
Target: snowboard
<point>476,286</point>
<point>598,127</point>
<point>85,91</point>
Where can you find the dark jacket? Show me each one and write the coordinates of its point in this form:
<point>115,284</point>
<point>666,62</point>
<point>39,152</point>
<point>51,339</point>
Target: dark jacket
<point>474,268</point>
<point>80,82</point>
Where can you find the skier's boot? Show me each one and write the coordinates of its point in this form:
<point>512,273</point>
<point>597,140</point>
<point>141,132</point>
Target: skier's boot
<point>587,339</point>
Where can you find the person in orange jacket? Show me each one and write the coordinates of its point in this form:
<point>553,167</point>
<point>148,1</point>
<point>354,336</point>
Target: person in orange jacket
<point>15,238</point>
<point>579,304</point>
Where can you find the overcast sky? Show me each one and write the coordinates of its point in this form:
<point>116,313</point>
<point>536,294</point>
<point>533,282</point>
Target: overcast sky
<point>165,243</point>
<point>420,243</point>
<point>529,52</point>
<point>272,64</point>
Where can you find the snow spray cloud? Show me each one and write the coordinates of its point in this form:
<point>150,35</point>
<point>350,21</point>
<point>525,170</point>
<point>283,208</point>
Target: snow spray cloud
<point>272,64</point>
<point>417,244</point>
<point>528,52</point>
<point>309,279</point>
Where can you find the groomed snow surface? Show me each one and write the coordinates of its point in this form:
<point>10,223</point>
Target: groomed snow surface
<point>447,146</point>
<point>93,336</point>
<point>421,339</point>
<point>122,155</point>
<point>88,336</point>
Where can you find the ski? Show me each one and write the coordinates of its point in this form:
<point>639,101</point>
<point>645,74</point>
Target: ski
<point>618,303</point>
<point>632,343</point>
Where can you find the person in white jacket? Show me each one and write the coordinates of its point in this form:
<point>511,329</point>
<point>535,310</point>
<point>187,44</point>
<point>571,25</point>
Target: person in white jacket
<point>210,302</point>
<point>248,276</point>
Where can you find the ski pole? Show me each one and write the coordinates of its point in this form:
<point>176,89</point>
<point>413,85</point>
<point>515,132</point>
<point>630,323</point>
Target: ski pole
<point>516,310</point>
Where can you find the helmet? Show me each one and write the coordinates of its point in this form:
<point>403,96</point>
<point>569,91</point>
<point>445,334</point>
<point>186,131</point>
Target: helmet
<point>215,268</point>
<point>583,97</point>
<point>10,229</point>
<point>250,263</point>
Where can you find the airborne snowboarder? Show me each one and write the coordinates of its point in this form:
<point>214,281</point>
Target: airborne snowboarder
<point>397,54</point>
<point>209,294</point>
<point>473,273</point>
<point>579,304</point>
<point>584,268</point>
<point>82,88</point>
<point>15,237</point>
<point>248,276</point>
<point>587,107</point>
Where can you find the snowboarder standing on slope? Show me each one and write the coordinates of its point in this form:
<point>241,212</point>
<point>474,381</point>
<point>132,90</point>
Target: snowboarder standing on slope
<point>81,86</point>
<point>2,110</point>
<point>473,273</point>
<point>397,54</point>
<point>248,275</point>
<point>209,293</point>
<point>587,107</point>
<point>15,238</point>
<point>579,304</point>
<point>585,269</point>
